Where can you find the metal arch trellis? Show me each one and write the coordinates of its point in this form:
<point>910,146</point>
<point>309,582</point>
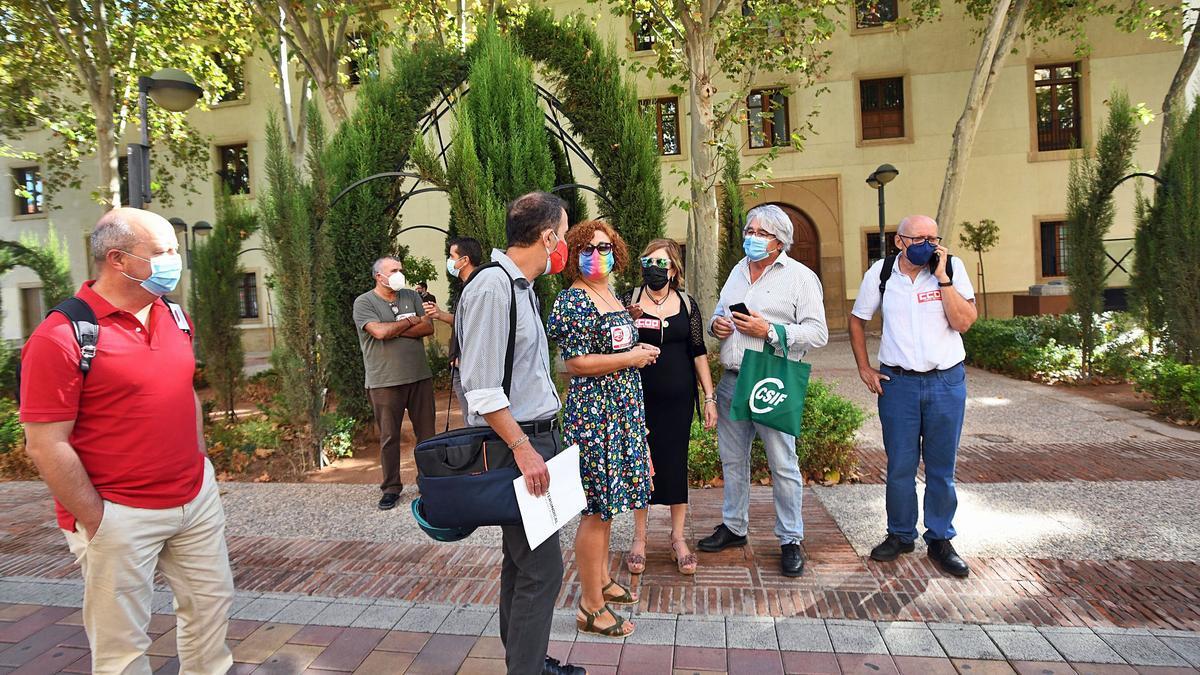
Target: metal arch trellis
<point>430,121</point>
<point>1119,264</point>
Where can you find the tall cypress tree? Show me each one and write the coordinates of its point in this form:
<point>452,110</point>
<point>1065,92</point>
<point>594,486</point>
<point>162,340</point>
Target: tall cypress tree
<point>1175,230</point>
<point>290,211</point>
<point>733,216</point>
<point>216,280</point>
<point>506,120</point>
<point>1090,215</point>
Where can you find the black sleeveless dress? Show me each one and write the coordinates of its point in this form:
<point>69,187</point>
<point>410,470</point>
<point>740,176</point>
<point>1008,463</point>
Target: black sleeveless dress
<point>670,395</point>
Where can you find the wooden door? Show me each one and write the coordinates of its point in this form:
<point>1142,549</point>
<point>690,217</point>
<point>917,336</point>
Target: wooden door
<point>806,245</point>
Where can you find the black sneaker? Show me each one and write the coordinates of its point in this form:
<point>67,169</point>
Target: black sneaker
<point>553,667</point>
<point>943,553</point>
<point>891,548</point>
<point>388,501</point>
<point>792,561</point>
<point>721,539</point>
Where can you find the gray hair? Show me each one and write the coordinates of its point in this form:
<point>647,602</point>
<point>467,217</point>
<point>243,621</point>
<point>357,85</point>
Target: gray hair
<point>377,266</point>
<point>112,231</point>
<point>773,220</point>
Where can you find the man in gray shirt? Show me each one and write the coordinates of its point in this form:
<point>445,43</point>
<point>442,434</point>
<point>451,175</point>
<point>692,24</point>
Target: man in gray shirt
<point>391,323</point>
<point>530,579</point>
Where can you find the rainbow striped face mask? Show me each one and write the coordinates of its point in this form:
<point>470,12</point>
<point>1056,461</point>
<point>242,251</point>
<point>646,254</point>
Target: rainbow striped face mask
<point>597,265</point>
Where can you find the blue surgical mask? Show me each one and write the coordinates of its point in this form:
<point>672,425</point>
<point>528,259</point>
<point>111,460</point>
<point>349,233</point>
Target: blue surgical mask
<point>452,267</point>
<point>756,247</point>
<point>165,270</point>
<point>919,254</point>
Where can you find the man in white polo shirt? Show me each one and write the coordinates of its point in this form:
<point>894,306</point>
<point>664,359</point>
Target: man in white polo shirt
<point>921,383</point>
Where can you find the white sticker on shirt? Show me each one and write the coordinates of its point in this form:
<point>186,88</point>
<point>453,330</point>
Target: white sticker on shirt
<point>622,337</point>
<point>929,296</point>
<point>648,323</point>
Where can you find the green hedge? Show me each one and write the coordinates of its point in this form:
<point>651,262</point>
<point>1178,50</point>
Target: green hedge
<point>1046,348</point>
<point>12,433</point>
<point>1174,387</point>
<point>826,443</point>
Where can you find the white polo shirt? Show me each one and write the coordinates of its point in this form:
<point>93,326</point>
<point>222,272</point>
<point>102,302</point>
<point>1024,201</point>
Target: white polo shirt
<point>916,333</point>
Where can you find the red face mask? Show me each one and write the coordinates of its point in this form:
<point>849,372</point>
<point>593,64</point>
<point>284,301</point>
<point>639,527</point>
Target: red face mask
<point>557,262</point>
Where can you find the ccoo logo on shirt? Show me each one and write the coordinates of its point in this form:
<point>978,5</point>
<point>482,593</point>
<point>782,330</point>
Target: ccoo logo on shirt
<point>767,394</point>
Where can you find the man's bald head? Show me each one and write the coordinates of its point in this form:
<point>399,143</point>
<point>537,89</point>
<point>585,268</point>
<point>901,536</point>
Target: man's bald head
<point>918,226</point>
<point>122,229</point>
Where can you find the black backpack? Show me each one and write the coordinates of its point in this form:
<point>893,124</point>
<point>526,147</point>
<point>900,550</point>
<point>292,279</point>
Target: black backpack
<point>87,330</point>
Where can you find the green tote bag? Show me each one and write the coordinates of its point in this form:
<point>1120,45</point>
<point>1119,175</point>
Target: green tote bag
<point>771,389</point>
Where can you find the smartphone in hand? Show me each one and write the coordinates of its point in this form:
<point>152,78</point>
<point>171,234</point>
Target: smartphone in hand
<point>740,308</point>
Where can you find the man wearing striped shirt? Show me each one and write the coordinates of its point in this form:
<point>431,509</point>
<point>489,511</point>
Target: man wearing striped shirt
<point>777,291</point>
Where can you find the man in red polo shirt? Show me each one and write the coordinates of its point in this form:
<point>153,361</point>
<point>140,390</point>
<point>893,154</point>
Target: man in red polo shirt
<point>122,451</point>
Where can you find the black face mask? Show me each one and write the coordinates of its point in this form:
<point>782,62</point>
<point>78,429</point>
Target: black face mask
<point>655,278</point>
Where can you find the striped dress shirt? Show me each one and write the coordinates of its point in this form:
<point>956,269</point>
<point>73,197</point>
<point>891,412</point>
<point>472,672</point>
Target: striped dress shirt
<point>787,293</point>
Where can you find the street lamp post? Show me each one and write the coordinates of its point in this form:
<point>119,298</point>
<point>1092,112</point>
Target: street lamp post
<point>190,234</point>
<point>879,178</point>
<point>172,89</point>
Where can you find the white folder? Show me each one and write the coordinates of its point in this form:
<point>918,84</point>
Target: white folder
<point>545,515</point>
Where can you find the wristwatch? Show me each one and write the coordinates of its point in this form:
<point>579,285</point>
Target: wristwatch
<point>944,285</point>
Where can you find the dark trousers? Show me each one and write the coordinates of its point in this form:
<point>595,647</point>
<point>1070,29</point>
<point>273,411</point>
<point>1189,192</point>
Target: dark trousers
<point>529,585</point>
<point>389,404</point>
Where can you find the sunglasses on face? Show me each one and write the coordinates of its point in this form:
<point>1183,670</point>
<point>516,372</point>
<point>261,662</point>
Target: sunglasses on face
<point>660,263</point>
<point>603,247</point>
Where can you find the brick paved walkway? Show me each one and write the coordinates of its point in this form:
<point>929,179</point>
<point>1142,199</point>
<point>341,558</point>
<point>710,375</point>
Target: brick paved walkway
<point>838,583</point>
<point>280,633</point>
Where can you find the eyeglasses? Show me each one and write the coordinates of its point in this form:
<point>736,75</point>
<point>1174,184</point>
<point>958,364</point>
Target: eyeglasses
<point>757,233</point>
<point>603,247</point>
<point>660,263</point>
<point>936,241</point>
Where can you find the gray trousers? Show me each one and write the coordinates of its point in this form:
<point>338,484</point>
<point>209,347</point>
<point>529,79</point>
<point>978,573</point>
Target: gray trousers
<point>529,585</point>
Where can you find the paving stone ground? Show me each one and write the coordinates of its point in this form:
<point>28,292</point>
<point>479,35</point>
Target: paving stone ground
<point>414,638</point>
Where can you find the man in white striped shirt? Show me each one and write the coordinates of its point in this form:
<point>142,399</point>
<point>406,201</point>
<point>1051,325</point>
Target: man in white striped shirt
<point>777,291</point>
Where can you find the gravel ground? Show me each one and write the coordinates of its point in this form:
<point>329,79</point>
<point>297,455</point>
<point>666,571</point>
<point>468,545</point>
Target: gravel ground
<point>1024,412</point>
<point>1074,521</point>
<point>349,512</point>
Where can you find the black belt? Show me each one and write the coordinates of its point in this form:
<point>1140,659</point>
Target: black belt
<point>540,426</point>
<point>920,373</point>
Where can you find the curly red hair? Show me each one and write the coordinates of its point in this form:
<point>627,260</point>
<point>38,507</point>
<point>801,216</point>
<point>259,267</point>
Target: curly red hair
<point>581,235</point>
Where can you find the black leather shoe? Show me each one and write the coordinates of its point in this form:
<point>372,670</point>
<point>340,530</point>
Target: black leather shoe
<point>943,553</point>
<point>553,667</point>
<point>792,563</point>
<point>890,549</point>
<point>721,539</point>
<point>388,501</point>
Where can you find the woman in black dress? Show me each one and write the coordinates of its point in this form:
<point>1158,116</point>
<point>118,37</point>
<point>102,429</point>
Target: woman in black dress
<point>670,320</point>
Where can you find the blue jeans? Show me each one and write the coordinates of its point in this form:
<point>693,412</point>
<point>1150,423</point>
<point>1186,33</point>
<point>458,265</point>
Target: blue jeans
<point>922,416</point>
<point>734,440</point>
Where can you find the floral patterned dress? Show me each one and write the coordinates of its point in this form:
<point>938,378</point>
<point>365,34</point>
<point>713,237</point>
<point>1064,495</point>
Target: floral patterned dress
<point>604,415</point>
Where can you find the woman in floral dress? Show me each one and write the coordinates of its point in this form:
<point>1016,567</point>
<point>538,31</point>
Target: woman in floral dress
<point>603,414</point>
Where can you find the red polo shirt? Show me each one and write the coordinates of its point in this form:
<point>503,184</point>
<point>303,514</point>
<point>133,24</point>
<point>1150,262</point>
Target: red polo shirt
<point>134,412</point>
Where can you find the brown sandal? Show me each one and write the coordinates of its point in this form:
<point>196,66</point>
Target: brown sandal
<point>635,562</point>
<point>687,564</point>
<point>625,598</point>
<point>588,625</point>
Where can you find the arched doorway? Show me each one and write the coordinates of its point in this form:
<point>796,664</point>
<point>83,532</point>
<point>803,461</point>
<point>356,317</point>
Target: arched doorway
<point>806,244</point>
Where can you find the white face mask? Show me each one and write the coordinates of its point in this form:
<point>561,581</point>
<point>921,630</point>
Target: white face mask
<point>452,267</point>
<point>396,281</point>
